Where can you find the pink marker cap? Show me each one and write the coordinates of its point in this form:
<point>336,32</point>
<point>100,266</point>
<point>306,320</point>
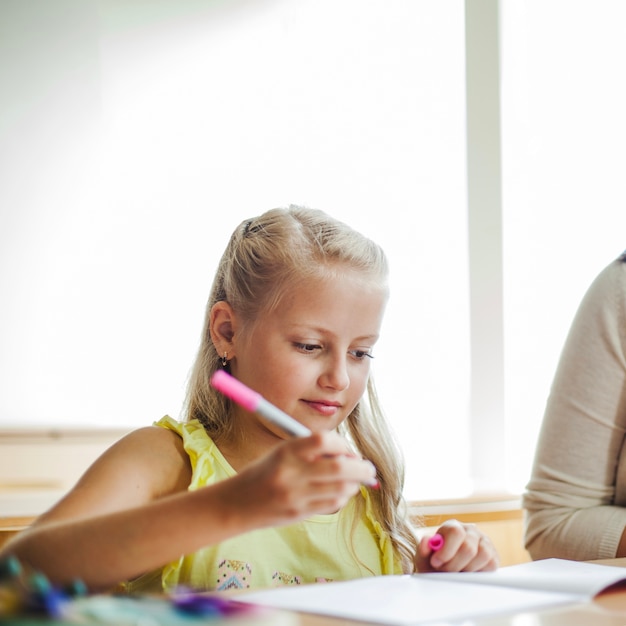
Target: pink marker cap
<point>435,542</point>
<point>236,390</point>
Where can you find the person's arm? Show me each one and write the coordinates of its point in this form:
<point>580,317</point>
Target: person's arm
<point>570,498</point>
<point>621,548</point>
<point>131,512</point>
<point>97,531</point>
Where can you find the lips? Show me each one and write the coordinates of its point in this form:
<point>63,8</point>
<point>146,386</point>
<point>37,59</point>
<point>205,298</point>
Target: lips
<point>328,409</point>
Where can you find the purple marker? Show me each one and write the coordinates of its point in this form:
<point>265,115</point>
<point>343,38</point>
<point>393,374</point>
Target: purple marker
<point>255,402</point>
<point>435,542</point>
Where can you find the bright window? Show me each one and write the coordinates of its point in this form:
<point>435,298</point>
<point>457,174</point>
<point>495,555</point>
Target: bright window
<point>134,137</point>
<point>564,199</point>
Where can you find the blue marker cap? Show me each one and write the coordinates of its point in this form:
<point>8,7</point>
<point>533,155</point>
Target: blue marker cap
<point>10,567</point>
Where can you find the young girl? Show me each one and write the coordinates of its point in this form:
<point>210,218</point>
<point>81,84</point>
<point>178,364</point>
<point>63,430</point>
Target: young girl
<point>225,498</point>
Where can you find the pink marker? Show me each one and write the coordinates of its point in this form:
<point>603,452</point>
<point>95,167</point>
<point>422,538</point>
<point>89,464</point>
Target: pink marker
<point>255,402</point>
<point>435,542</point>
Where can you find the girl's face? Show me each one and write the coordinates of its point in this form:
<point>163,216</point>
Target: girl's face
<point>311,356</point>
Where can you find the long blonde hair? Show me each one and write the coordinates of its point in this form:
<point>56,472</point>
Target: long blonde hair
<point>263,257</point>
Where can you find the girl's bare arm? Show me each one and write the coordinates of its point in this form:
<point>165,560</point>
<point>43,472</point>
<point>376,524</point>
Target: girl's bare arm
<point>95,531</point>
<point>131,512</point>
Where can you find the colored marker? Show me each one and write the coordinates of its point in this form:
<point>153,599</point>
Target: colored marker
<point>11,594</point>
<point>200,604</point>
<point>32,593</point>
<point>435,542</point>
<point>255,402</point>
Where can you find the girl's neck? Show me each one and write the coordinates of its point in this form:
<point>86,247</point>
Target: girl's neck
<point>245,448</point>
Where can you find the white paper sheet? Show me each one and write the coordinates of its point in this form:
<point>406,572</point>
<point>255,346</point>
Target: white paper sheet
<point>407,600</point>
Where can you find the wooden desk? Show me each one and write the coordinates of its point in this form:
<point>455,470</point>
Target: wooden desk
<point>608,609</point>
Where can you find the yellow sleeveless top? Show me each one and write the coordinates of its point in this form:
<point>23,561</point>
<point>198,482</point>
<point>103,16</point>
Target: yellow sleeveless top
<point>319,549</point>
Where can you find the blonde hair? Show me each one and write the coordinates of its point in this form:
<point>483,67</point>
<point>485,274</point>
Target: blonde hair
<point>263,257</point>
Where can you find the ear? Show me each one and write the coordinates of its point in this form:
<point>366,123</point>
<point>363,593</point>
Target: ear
<point>222,328</point>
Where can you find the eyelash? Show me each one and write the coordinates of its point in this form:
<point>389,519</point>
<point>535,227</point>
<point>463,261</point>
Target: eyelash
<point>359,354</point>
<point>310,348</point>
<point>307,347</point>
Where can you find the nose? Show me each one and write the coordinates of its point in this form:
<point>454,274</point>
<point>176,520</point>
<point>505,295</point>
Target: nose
<point>335,375</point>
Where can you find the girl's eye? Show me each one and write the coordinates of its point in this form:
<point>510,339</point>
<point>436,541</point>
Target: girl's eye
<point>307,347</point>
<point>361,354</point>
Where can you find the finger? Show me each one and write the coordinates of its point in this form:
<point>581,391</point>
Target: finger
<point>459,548</point>
<point>346,469</point>
<point>486,558</point>
<point>460,560</point>
<point>323,444</point>
<point>422,557</point>
<point>453,534</point>
<point>336,473</point>
<point>329,498</point>
<point>330,445</point>
<point>475,552</point>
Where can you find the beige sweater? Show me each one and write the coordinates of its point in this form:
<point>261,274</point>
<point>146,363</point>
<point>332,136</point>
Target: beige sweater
<point>576,498</point>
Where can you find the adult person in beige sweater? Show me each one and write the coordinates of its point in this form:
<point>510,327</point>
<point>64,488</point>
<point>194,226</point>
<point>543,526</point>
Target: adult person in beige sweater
<point>575,500</point>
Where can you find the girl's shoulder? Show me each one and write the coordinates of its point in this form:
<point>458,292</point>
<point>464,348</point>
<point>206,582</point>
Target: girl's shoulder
<point>180,428</point>
<point>149,439</point>
<point>155,457</point>
<point>207,462</point>
<point>142,466</point>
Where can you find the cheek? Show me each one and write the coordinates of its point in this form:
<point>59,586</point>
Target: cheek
<point>358,381</point>
<point>284,382</point>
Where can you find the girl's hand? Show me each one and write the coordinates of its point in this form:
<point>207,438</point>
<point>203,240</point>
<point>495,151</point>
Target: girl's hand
<point>465,549</point>
<point>299,478</point>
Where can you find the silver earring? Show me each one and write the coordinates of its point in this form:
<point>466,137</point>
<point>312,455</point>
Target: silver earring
<point>225,359</point>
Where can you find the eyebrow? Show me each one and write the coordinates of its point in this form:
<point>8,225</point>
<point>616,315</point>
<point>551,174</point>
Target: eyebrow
<point>325,331</point>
